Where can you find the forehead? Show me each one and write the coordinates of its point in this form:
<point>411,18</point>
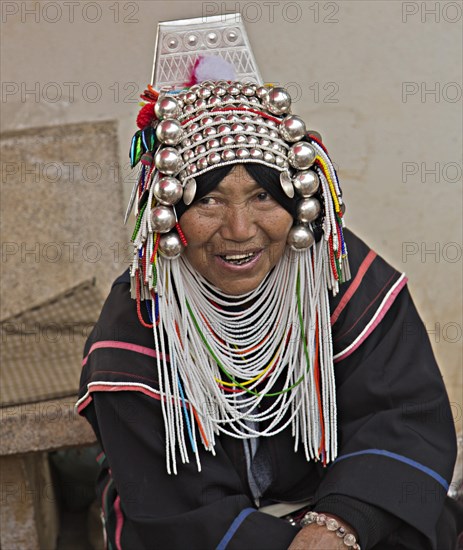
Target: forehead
<point>237,181</point>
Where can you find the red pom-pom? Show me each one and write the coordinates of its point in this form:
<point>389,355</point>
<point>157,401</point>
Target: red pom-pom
<point>146,116</point>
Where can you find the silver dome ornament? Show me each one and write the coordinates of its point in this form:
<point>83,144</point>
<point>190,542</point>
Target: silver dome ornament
<point>188,110</point>
<point>170,246</point>
<point>169,131</point>
<point>237,127</point>
<point>213,158</point>
<point>308,210</point>
<point>212,144</point>
<point>189,191</point>
<point>200,104</point>
<point>223,129</point>
<point>277,101</point>
<point>240,139</point>
<point>292,128</point>
<point>300,238</point>
<point>228,155</point>
<point>168,161</point>
<point>207,120</point>
<point>168,191</point>
<point>306,183</point>
<point>209,131</point>
<point>200,149</point>
<point>269,157</point>
<point>242,154</point>
<point>188,155</point>
<point>218,91</point>
<point>301,155</point>
<point>214,101</point>
<point>261,92</point>
<point>204,93</point>
<point>202,163</point>
<point>248,90</point>
<point>162,219</point>
<point>195,138</point>
<point>167,107</point>
<point>256,154</point>
<point>226,141</point>
<point>280,161</point>
<point>286,184</point>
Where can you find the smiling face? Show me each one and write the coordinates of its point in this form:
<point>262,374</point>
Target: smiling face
<point>236,233</point>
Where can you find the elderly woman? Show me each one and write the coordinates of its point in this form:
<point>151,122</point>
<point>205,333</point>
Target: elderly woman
<point>253,379</point>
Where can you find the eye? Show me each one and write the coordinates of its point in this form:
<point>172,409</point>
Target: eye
<point>263,196</point>
<point>207,201</point>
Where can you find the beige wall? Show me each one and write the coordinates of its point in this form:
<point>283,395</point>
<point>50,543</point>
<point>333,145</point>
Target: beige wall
<point>364,71</point>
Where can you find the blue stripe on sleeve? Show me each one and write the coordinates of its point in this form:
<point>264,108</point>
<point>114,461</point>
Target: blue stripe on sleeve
<point>234,527</point>
<point>401,458</point>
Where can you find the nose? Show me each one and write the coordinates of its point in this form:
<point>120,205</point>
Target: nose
<point>238,223</point>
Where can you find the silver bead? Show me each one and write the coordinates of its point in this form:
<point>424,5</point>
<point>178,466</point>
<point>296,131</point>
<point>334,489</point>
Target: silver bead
<point>209,131</point>
<point>237,127</point>
<point>286,183</point>
<point>242,154</point>
<point>193,127</point>
<point>269,157</point>
<point>213,144</point>
<point>218,91</point>
<point>170,246</point>
<point>202,163</point>
<point>248,91</point>
<point>214,101</point>
<point>292,128</point>
<point>182,175</point>
<point>233,90</point>
<point>204,93</point>
<point>308,210</point>
<point>189,191</point>
<point>187,142</point>
<point>252,140</point>
<point>232,118</point>
<point>300,238</point>
<point>219,119</point>
<point>256,154</point>
<point>226,141</point>
<point>191,170</point>
<point>213,158</point>
<point>196,137</point>
<point>277,101</point>
<point>306,183</point>
<point>188,109</point>
<point>261,92</point>
<point>279,161</point>
<point>264,142</point>
<point>301,155</point>
<point>200,149</point>
<point>240,139</point>
<point>188,155</point>
<point>190,98</point>
<point>207,120</point>
<point>254,100</point>
<point>228,98</point>
<point>228,155</point>
<point>249,127</point>
<point>262,130</point>
<point>169,131</point>
<point>223,129</point>
<point>162,219</point>
<point>168,161</point>
<point>195,88</point>
<point>167,107</point>
<point>168,191</point>
<point>273,133</point>
<point>200,104</point>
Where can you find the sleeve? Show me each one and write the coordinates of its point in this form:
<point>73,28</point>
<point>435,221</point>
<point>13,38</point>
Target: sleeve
<point>195,510</point>
<point>397,442</point>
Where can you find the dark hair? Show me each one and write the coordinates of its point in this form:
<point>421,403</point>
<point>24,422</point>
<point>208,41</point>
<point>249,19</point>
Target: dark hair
<point>268,178</point>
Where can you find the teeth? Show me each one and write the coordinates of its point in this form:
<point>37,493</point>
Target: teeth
<point>239,256</point>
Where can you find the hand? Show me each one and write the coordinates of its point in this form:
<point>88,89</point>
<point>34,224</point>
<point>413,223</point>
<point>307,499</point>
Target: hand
<point>316,537</point>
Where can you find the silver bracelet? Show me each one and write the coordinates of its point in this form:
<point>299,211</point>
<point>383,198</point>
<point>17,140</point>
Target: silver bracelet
<point>332,525</point>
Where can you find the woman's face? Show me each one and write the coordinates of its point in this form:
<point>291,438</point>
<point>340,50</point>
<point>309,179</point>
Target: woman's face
<point>236,234</point>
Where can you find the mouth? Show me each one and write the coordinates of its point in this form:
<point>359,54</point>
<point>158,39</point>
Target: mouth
<point>241,260</point>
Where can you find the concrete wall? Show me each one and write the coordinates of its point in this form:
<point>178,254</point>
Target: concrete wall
<point>380,80</point>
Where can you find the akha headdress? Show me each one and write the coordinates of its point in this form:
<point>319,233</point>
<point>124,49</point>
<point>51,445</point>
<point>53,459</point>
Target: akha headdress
<point>210,110</point>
